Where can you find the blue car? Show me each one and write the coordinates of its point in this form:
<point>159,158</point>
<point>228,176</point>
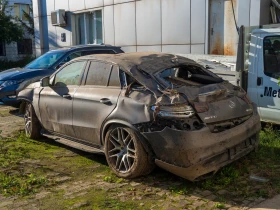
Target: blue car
<point>11,80</point>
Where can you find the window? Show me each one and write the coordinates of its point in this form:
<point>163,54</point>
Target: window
<point>114,77</point>
<point>2,49</point>
<point>72,56</point>
<point>70,74</point>
<point>25,47</point>
<point>98,74</point>
<point>45,61</point>
<point>89,28</point>
<point>271,47</point>
<point>19,10</point>
<point>98,52</point>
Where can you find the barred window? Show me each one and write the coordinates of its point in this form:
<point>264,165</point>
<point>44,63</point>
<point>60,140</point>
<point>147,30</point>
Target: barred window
<point>2,49</point>
<point>25,47</point>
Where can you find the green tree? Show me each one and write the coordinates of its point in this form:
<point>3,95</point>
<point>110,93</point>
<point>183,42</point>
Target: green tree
<point>11,31</point>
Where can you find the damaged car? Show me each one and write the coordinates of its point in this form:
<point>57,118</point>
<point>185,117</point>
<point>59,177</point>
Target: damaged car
<point>142,110</point>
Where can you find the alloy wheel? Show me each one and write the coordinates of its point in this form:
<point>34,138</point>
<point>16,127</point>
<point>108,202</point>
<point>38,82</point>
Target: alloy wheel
<point>27,120</point>
<point>121,150</point>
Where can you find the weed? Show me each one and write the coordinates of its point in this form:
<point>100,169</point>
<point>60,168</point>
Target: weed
<point>108,179</point>
<point>179,190</point>
<point>220,206</point>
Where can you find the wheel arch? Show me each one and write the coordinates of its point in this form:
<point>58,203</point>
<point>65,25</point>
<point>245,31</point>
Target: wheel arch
<point>23,103</point>
<point>142,139</point>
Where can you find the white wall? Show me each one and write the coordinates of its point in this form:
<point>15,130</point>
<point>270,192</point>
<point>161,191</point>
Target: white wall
<point>253,12</point>
<point>136,25</point>
<point>179,26</point>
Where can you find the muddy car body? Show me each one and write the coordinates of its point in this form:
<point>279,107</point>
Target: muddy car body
<point>150,108</point>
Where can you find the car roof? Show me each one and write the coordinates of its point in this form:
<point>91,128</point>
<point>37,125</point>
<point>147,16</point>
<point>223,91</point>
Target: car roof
<point>93,46</point>
<point>149,62</point>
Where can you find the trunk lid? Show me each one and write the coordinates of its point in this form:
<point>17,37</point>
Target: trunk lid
<point>218,102</point>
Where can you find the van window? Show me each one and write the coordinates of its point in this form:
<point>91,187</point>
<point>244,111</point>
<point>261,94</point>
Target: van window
<point>98,74</point>
<point>271,50</point>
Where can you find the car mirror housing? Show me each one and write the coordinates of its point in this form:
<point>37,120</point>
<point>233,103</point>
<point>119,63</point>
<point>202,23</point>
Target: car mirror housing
<point>45,82</point>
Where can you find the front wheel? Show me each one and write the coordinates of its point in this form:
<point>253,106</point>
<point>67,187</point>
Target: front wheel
<point>32,125</point>
<point>125,153</point>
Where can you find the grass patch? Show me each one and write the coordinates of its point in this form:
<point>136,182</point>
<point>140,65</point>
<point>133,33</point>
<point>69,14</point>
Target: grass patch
<point>14,180</point>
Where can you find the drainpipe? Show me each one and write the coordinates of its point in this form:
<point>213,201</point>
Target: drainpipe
<point>43,26</point>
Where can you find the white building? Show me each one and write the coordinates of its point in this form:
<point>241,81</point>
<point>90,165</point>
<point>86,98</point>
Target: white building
<point>25,47</point>
<point>178,26</point>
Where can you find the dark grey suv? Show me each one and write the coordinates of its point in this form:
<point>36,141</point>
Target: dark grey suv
<point>142,109</point>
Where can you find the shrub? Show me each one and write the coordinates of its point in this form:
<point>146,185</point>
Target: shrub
<point>6,64</point>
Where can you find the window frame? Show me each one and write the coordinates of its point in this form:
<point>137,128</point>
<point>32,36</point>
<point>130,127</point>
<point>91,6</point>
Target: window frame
<point>53,76</point>
<point>109,75</point>
<point>21,15</point>
<point>75,26</point>
<point>270,75</point>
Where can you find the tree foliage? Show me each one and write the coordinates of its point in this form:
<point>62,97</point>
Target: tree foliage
<point>11,31</point>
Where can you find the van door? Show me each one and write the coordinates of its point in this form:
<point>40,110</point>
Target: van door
<point>268,75</point>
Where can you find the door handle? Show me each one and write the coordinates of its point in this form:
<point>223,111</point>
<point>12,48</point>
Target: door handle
<point>105,101</point>
<point>66,96</point>
<point>259,81</point>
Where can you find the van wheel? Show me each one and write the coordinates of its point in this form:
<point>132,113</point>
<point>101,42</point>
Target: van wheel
<point>125,153</point>
<point>32,124</point>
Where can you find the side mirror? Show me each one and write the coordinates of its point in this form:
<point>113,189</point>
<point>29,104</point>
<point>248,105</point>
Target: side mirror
<point>45,82</point>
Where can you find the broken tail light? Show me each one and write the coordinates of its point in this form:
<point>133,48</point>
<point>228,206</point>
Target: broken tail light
<point>174,111</point>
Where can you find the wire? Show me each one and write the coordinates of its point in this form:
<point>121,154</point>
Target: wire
<point>232,6</point>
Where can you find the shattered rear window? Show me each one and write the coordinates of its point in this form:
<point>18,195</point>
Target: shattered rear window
<point>187,76</point>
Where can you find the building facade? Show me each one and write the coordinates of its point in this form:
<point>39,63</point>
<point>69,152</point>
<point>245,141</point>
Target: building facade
<point>25,47</point>
<point>177,26</point>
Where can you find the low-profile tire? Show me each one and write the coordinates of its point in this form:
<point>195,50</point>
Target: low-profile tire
<point>125,153</point>
<point>32,124</point>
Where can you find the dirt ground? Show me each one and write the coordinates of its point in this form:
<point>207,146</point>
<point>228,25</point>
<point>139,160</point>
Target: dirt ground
<point>79,180</point>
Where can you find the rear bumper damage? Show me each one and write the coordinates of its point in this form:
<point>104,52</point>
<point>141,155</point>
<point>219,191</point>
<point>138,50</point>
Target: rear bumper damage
<point>197,154</point>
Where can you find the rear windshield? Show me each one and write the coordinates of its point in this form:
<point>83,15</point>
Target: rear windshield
<point>187,75</point>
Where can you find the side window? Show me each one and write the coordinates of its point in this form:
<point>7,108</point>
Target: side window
<point>70,74</point>
<point>98,73</point>
<point>72,56</point>
<point>114,80</point>
<point>97,52</point>
<point>271,48</point>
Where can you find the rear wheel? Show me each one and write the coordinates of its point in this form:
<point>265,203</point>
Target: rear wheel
<point>125,153</point>
<point>32,125</point>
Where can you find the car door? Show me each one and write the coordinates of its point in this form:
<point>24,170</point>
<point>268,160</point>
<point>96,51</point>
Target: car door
<point>95,100</point>
<point>268,75</point>
<point>56,101</point>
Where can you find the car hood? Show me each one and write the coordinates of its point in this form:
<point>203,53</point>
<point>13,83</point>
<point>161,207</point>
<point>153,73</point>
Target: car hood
<point>18,73</point>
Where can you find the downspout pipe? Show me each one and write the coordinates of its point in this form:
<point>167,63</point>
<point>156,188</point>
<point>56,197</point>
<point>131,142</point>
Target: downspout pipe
<point>43,26</point>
